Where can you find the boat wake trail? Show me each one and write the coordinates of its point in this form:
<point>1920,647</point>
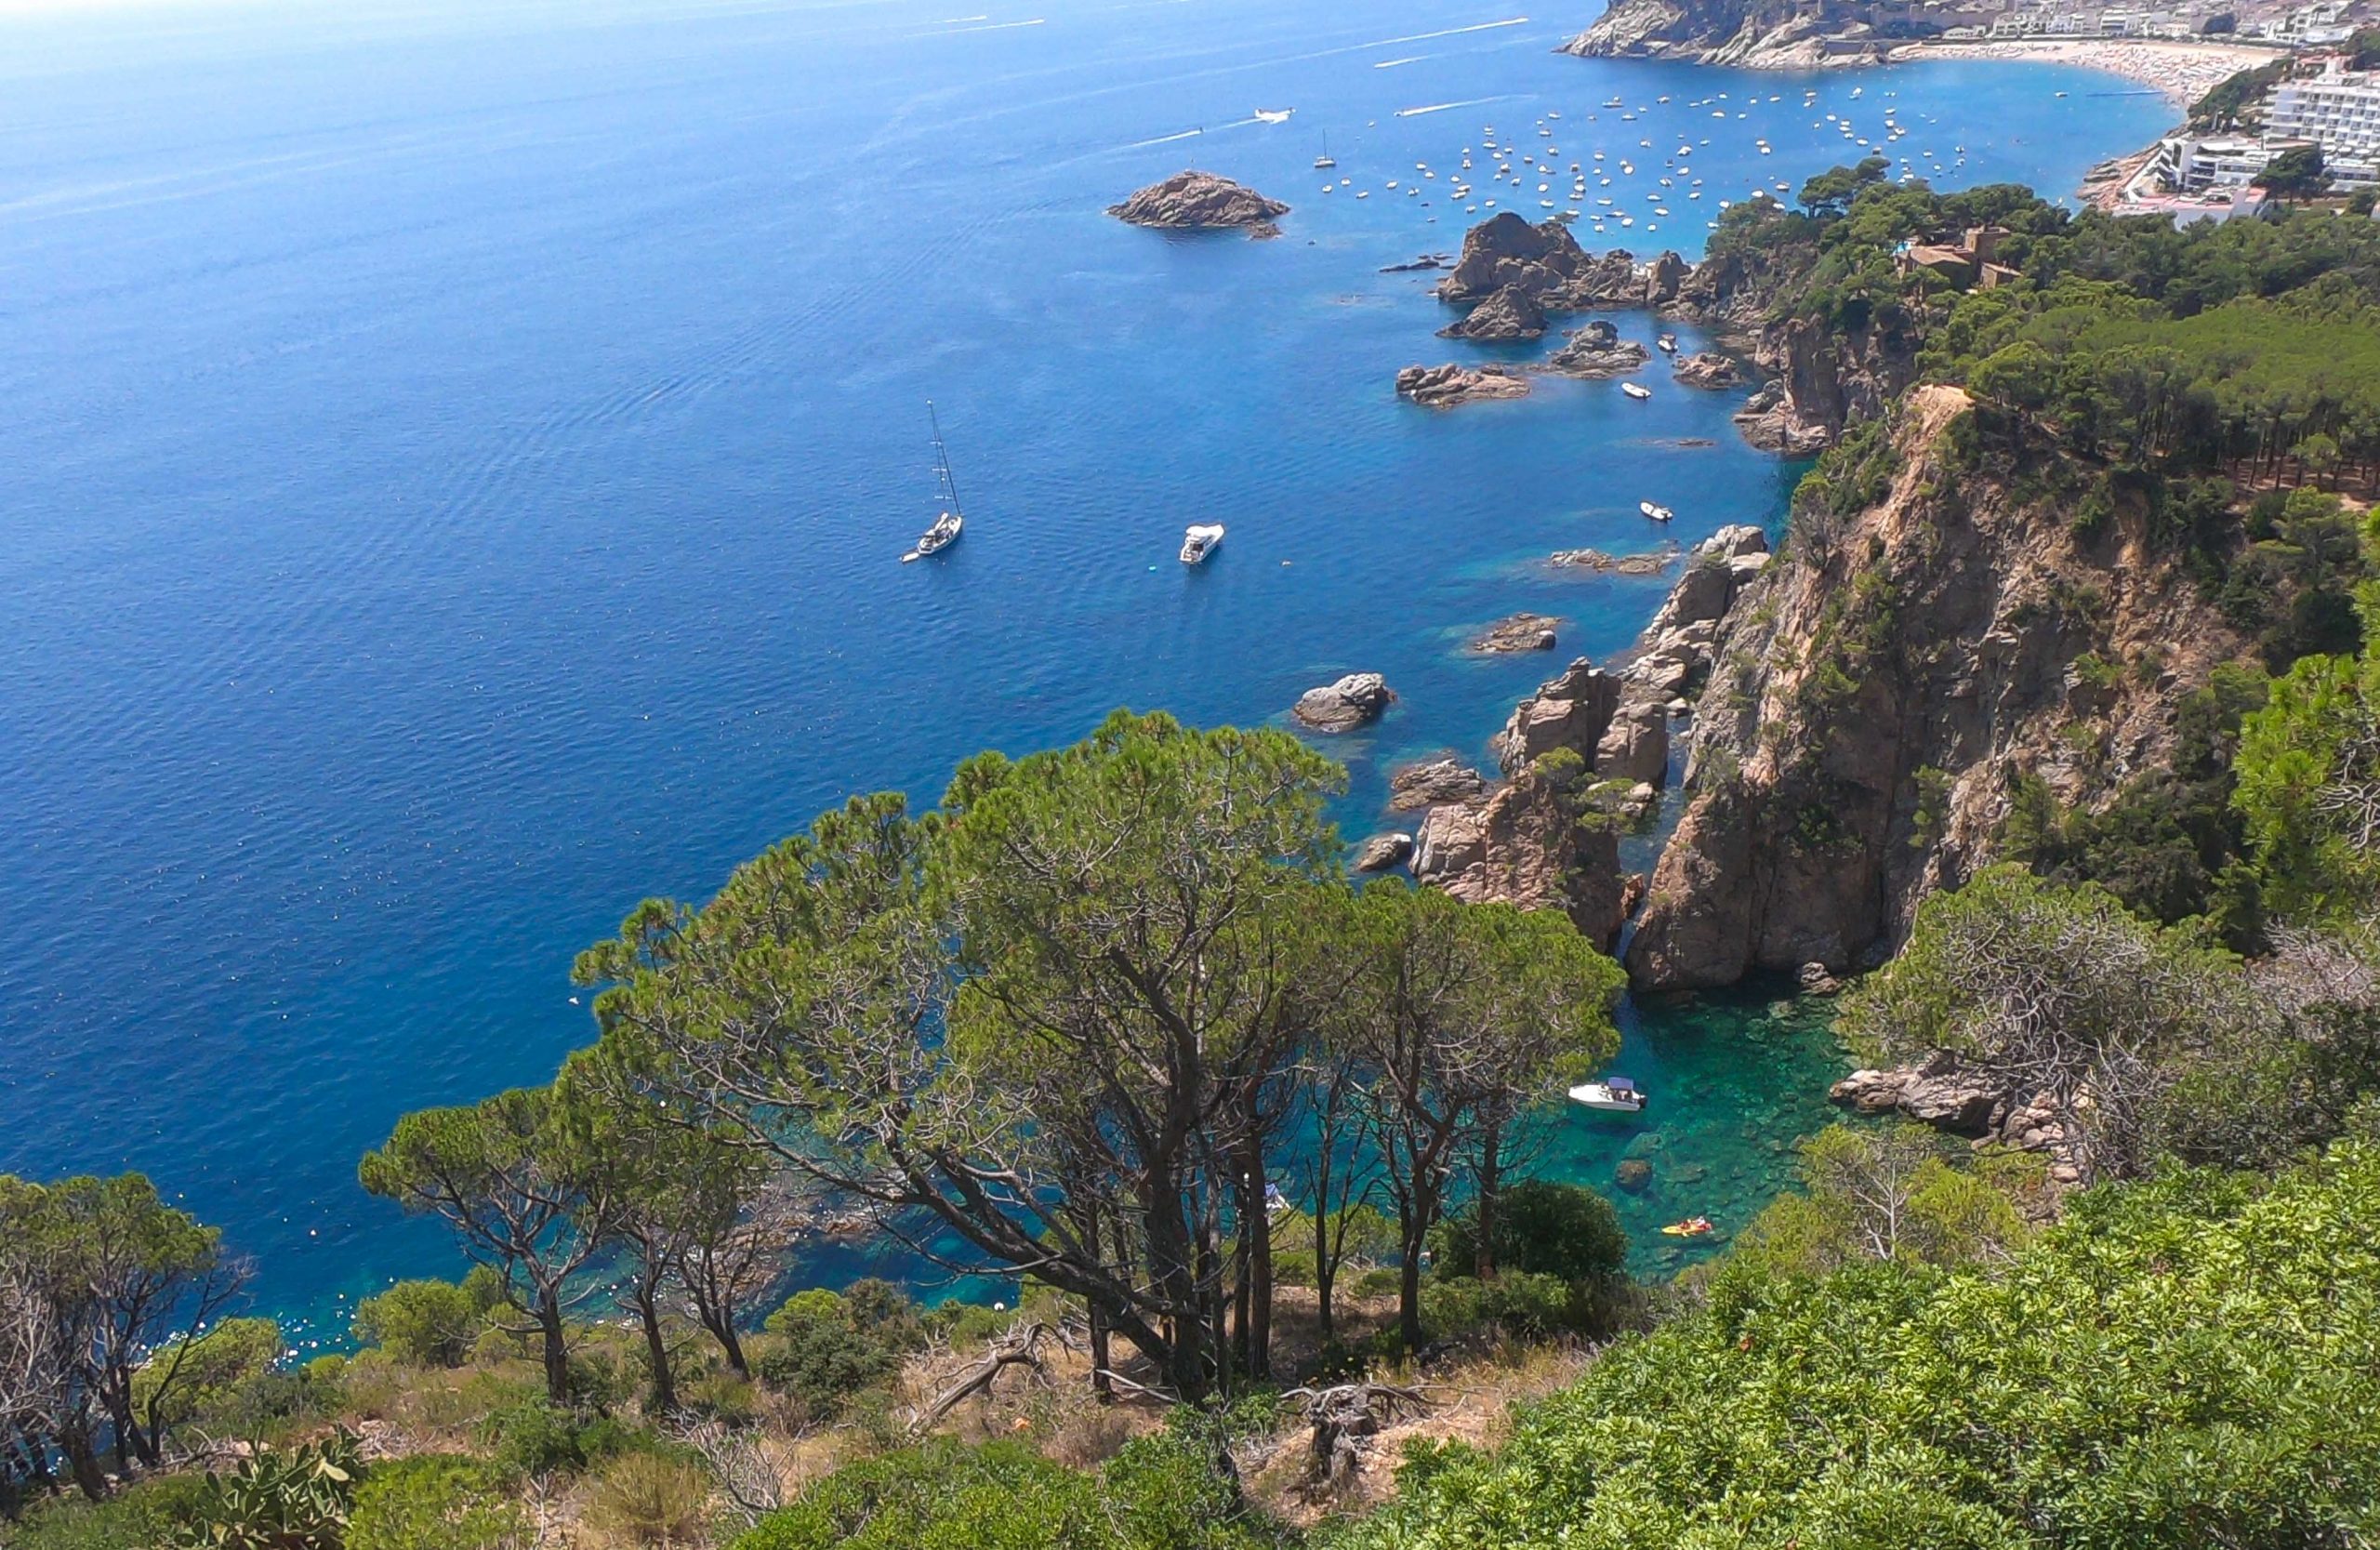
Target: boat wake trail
<point>1442,106</point>
<point>1450,31</point>
<point>1409,58</point>
<point>1166,139</point>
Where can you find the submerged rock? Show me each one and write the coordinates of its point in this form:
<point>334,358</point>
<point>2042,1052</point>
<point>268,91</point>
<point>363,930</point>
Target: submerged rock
<point>1343,706</point>
<point>1619,564</point>
<point>1444,387</point>
<point>1198,202</point>
<point>1520,633</point>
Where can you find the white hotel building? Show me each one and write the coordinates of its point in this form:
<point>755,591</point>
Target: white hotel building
<point>2340,110</point>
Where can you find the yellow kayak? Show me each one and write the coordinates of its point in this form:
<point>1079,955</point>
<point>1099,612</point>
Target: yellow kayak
<point>1693,1226</point>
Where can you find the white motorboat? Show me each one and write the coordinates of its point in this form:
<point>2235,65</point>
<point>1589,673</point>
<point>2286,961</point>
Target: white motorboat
<point>1635,389</point>
<point>1668,342</point>
<point>1273,116</point>
<point>1658,513</point>
<point>947,526</point>
<point>1200,540</point>
<point>1617,1094</point>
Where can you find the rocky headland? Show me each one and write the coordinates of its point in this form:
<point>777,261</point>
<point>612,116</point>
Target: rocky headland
<point>1752,34</point>
<point>1196,200</point>
<point>1509,316</point>
<point>1876,692</point>
<point>1444,387</point>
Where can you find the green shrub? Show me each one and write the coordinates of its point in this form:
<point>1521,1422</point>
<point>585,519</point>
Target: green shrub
<point>1564,1230</point>
<point>210,1373</point>
<point>1517,1304</point>
<point>141,1517</point>
<point>651,1499</point>
<point>429,1323</point>
<point>1162,1492</point>
<point>436,1502</point>
<point>536,1437</point>
<point>827,1347</point>
<point>1381,1281</point>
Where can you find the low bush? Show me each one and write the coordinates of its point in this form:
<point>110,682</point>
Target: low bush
<point>429,1323</point>
<point>651,1499</point>
<point>436,1502</point>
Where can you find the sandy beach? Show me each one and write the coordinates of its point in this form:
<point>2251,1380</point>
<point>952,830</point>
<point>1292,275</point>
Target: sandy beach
<point>2184,71</point>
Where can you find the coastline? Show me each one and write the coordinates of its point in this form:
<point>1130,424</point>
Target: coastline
<point>2182,72</point>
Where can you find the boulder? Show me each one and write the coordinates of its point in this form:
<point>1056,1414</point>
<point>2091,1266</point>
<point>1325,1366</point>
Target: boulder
<point>1663,278</point>
<point>1635,746</point>
<point>1571,713</point>
<point>1505,250</point>
<point>1938,1091</point>
<point>1633,1175</point>
<point>1520,633</point>
<point>1620,564</point>
<point>1815,979</point>
<point>1509,316</point>
<point>1598,351</point>
<point>1706,370</point>
<point>1444,387</point>
<point>1382,851</point>
<point>1197,202</point>
<point>1344,706</point>
<point>1433,782</point>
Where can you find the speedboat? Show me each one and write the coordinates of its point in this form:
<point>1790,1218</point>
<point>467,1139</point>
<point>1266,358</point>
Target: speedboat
<point>1278,115</point>
<point>1658,513</point>
<point>1616,1093</point>
<point>1200,540</point>
<point>1635,389</point>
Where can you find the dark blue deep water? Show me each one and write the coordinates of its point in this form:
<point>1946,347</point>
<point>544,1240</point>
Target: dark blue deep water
<point>453,459</point>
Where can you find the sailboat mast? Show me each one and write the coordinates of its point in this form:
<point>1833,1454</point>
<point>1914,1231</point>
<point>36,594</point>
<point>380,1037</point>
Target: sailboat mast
<point>942,460</point>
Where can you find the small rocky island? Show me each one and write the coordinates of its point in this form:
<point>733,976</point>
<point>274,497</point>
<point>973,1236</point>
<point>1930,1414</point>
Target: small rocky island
<point>1708,370</point>
<point>1193,201</point>
<point>1444,387</point>
<point>1344,706</point>
<point>1598,351</point>
<point>1511,315</point>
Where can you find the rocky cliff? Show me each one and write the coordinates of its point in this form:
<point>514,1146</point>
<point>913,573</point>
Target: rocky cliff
<point>1758,34</point>
<point>1929,632</point>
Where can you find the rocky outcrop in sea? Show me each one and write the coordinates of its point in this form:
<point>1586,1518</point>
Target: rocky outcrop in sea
<point>1432,782</point>
<point>1943,1092</point>
<point>1200,202</point>
<point>1444,387</point>
<point>1353,701</point>
<point>1752,34</point>
<point>1598,351</point>
<point>1707,370</point>
<point>1508,316</point>
<point>1520,633</point>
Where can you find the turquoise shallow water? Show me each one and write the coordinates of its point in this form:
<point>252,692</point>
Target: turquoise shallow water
<point>457,454</point>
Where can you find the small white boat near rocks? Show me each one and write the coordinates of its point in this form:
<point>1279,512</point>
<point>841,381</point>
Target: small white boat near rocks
<point>1658,513</point>
<point>1615,1095</point>
<point>1636,390</point>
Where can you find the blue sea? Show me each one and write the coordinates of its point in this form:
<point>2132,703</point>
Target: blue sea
<point>457,457</point>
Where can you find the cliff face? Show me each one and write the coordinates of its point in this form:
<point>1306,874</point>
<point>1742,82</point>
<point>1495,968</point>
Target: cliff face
<point>1878,689</point>
<point>1773,35</point>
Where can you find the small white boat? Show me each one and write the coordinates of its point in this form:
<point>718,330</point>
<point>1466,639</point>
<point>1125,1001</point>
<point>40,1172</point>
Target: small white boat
<point>1668,342</point>
<point>1275,115</point>
<point>951,523</point>
<point>1636,390</point>
<point>1617,1094</point>
<point>1200,540</point>
<point>1658,513</point>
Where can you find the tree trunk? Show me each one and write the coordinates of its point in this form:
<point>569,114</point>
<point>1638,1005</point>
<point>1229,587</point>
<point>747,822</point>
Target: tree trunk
<point>656,1350</point>
<point>557,1347</point>
<point>1491,1181</point>
<point>1408,1298</point>
<point>84,1463</point>
<point>1256,1238</point>
<point>1099,1383</point>
<point>731,1343</point>
<point>1326,1278</point>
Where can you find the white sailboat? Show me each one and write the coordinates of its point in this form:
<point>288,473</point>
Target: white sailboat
<point>1200,539</point>
<point>949,524</point>
<point>1324,162</point>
